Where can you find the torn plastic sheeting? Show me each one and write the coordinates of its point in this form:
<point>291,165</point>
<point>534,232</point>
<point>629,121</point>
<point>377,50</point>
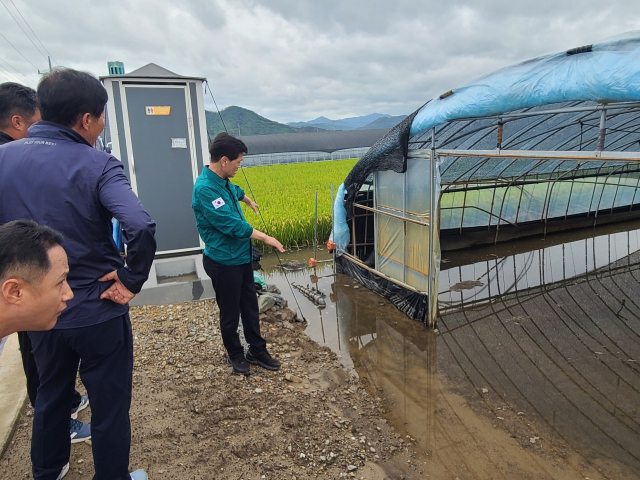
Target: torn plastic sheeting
<point>340,232</point>
<point>409,302</point>
<point>611,73</point>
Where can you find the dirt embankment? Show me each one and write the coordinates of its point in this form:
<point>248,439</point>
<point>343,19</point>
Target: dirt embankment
<point>192,419</point>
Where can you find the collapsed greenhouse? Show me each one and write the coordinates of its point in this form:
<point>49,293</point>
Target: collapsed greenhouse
<point>549,144</point>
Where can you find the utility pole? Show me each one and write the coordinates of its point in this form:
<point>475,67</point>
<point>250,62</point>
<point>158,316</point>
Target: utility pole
<point>239,130</point>
<point>43,73</point>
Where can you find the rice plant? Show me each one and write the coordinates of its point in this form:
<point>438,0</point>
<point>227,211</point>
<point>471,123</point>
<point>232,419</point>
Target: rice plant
<point>286,195</point>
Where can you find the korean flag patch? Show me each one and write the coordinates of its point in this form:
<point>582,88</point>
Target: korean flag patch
<point>218,202</point>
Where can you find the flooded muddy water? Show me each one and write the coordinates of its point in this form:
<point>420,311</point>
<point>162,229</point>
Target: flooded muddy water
<point>533,371</point>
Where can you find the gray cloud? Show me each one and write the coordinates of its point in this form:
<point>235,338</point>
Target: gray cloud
<point>295,60</point>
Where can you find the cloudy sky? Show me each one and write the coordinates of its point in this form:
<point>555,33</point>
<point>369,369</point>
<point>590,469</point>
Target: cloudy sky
<point>294,60</point>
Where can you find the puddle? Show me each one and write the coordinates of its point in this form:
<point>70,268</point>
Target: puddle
<point>533,372</point>
<point>327,326</point>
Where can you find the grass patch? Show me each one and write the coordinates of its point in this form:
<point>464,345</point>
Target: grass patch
<point>286,195</point>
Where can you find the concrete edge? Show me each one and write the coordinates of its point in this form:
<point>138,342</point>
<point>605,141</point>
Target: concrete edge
<point>13,391</point>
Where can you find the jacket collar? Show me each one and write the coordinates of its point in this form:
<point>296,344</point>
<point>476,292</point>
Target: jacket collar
<point>5,138</point>
<point>44,129</point>
<point>212,176</point>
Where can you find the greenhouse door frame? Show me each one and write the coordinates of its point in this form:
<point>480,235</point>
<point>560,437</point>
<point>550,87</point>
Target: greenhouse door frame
<point>430,224</point>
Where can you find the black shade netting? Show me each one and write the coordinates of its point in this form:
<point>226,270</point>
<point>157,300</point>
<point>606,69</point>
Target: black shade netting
<point>413,304</point>
<point>388,153</point>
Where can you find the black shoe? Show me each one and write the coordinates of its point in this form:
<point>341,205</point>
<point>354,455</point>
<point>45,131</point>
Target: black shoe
<point>264,359</point>
<point>239,365</point>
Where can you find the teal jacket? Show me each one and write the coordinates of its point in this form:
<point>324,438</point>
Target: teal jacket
<point>220,221</point>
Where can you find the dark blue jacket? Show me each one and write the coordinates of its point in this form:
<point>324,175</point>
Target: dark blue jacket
<point>57,179</point>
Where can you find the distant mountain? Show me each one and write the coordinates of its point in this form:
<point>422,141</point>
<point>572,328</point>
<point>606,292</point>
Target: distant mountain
<point>358,122</point>
<point>322,123</point>
<point>350,123</point>
<point>241,121</point>
<point>384,122</point>
<point>324,126</point>
<point>319,120</point>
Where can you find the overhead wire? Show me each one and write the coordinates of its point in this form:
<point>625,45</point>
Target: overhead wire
<point>23,30</point>
<point>27,80</point>
<point>264,223</point>
<point>11,66</point>
<point>34,33</point>
<point>214,102</point>
<point>9,73</point>
<point>14,47</point>
<point>7,77</point>
<point>10,76</point>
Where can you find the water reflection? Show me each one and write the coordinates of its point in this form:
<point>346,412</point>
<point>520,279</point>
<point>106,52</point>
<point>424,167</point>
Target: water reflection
<point>400,362</point>
<point>533,372</point>
<point>492,272</point>
<point>328,326</point>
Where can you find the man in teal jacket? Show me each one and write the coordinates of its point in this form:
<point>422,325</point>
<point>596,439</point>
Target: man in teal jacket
<point>228,252</point>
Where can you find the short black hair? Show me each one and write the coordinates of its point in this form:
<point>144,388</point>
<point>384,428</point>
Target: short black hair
<point>224,145</point>
<point>16,99</point>
<point>65,95</point>
<point>24,250</point>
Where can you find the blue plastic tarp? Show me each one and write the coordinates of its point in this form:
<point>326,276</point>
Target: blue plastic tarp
<point>608,73</point>
<point>340,232</point>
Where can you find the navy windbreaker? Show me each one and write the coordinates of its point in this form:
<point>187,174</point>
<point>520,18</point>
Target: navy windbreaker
<point>57,179</point>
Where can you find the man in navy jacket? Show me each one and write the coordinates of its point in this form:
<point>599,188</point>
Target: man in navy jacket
<point>18,111</point>
<point>56,178</point>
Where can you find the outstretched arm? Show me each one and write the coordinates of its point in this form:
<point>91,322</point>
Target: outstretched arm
<point>267,240</point>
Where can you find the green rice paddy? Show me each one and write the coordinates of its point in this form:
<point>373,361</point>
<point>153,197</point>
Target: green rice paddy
<point>286,195</point>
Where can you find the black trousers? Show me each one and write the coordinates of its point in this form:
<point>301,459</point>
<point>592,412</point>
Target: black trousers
<point>236,295</point>
<point>31,372</point>
<point>105,354</point>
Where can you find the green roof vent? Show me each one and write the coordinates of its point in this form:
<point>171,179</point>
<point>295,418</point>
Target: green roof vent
<point>116,68</point>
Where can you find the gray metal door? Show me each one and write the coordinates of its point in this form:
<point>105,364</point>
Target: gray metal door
<point>163,164</point>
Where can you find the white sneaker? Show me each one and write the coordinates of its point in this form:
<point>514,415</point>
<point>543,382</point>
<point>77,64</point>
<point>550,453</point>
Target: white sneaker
<point>138,475</point>
<point>84,403</point>
<point>63,472</point>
